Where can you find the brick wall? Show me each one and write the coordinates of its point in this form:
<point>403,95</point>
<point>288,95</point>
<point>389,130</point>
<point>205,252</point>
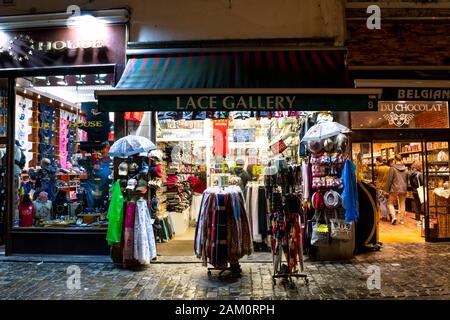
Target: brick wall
<point>406,43</point>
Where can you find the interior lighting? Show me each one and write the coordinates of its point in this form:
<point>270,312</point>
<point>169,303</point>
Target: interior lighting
<point>51,101</point>
<point>80,79</point>
<point>62,81</point>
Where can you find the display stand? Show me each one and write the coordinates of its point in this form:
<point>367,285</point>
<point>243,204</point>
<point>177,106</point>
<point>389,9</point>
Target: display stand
<point>278,261</point>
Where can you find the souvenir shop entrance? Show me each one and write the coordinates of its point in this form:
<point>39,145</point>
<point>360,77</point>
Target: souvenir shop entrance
<point>54,136</point>
<point>214,138</point>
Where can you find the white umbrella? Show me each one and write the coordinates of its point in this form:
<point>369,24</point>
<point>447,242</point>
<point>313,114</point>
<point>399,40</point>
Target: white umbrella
<point>324,130</point>
<point>130,145</point>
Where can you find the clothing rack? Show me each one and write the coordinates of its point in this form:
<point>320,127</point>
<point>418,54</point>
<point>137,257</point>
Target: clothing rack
<point>223,233</point>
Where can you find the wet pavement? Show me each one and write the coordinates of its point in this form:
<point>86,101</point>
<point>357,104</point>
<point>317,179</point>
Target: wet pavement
<point>406,271</point>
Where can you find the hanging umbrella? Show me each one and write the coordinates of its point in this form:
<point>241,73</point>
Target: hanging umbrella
<point>324,130</point>
<point>130,145</point>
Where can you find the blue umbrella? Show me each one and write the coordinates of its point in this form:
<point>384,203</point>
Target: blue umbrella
<point>130,145</point>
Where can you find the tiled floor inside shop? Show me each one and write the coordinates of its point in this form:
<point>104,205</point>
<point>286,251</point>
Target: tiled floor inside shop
<point>408,232</point>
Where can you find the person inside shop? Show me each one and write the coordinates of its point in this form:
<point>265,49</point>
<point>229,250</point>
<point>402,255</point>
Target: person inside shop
<point>397,186</point>
<point>381,175</point>
<point>27,212</point>
<point>240,172</point>
<point>415,181</point>
<point>43,208</point>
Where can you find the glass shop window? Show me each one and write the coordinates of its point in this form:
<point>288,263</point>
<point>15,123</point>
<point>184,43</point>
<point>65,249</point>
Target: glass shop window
<point>3,107</point>
<point>62,170</point>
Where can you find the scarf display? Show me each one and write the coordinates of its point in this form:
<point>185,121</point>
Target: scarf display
<point>223,233</point>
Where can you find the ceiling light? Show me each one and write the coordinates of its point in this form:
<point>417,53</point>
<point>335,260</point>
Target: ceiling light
<point>80,79</point>
<point>51,101</point>
<point>25,91</point>
<point>99,79</point>
<point>39,96</point>
<point>62,104</point>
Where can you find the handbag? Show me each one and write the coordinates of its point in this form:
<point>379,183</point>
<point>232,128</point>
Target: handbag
<point>340,229</point>
<point>320,235</point>
<point>421,191</point>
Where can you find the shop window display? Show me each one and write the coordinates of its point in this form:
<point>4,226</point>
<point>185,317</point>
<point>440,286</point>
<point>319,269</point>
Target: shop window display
<point>62,170</point>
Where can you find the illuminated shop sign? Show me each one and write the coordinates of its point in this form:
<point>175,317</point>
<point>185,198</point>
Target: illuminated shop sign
<point>404,115</point>
<point>62,47</point>
<point>417,94</point>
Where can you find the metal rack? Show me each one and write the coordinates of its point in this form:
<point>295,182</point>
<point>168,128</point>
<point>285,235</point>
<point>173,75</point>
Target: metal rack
<point>278,261</point>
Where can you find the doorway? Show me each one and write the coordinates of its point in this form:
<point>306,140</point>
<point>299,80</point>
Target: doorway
<point>376,159</point>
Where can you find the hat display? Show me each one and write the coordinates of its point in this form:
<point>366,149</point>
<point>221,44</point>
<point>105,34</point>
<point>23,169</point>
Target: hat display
<point>341,142</point>
<point>132,183</point>
<point>142,186</point>
<point>156,155</point>
<point>332,199</point>
<point>173,178</point>
<point>317,200</point>
<point>144,168</point>
<point>123,169</point>
<point>328,145</point>
<point>314,146</point>
<point>133,168</point>
<point>155,171</point>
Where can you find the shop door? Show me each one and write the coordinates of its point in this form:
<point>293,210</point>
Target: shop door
<point>3,143</point>
<point>437,193</point>
<point>373,160</point>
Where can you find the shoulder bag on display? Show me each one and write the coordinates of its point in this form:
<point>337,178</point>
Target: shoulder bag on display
<point>421,191</point>
<point>340,230</point>
<point>320,235</point>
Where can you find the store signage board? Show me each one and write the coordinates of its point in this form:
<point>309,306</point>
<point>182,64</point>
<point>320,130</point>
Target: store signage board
<point>56,47</point>
<point>417,94</point>
<point>404,115</point>
<point>241,102</point>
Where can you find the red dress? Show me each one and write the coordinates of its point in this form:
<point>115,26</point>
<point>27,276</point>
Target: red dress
<point>27,213</point>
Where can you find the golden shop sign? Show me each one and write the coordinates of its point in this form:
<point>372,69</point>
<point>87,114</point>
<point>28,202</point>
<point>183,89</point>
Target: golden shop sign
<point>70,44</point>
<point>403,115</point>
<point>230,102</point>
<point>389,106</point>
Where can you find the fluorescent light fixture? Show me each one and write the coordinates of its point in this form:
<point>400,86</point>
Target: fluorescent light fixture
<point>99,79</point>
<point>110,16</point>
<point>62,81</point>
<point>80,79</point>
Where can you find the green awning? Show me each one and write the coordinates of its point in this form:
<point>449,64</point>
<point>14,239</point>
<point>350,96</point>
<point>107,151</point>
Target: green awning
<point>245,80</point>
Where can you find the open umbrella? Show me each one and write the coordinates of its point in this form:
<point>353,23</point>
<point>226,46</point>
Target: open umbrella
<point>324,130</point>
<point>130,145</point>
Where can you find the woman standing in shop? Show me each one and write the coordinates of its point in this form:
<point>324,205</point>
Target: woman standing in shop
<point>396,186</point>
<point>415,181</point>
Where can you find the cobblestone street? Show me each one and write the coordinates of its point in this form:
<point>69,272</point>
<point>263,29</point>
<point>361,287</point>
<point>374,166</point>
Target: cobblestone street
<point>408,271</point>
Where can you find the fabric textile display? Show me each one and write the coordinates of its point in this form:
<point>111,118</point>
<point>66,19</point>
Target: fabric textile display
<point>128,231</point>
<point>144,238</point>
<point>115,215</point>
<point>350,191</point>
<point>256,206</point>
<point>223,232</point>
